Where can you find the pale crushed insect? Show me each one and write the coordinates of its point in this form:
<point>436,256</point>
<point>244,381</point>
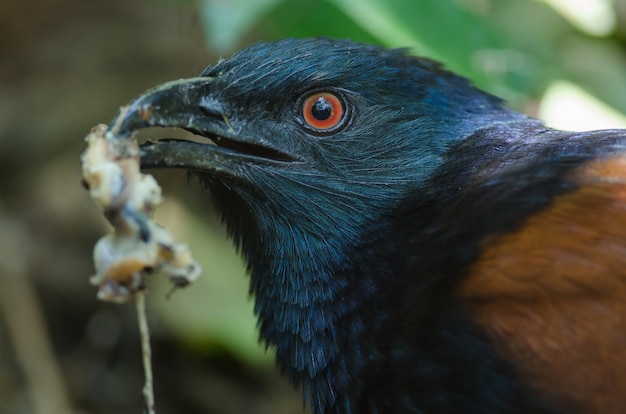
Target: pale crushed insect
<point>138,246</point>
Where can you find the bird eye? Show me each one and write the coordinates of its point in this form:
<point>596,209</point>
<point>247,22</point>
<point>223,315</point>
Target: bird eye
<point>323,111</point>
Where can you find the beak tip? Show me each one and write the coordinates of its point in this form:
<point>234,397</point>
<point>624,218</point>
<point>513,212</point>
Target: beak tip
<point>130,118</point>
<point>163,105</point>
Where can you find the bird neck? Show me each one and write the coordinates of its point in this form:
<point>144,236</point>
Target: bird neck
<point>349,301</point>
<point>310,311</point>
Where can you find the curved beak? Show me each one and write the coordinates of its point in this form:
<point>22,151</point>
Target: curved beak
<point>176,104</point>
<point>193,105</point>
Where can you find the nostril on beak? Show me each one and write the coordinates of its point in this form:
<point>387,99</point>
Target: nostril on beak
<point>212,107</point>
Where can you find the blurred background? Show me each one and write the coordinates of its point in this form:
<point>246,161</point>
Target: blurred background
<point>69,64</point>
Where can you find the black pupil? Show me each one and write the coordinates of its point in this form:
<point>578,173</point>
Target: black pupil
<point>322,109</point>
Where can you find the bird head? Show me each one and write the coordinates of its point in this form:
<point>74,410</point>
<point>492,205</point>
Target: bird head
<point>307,146</point>
<point>313,138</point>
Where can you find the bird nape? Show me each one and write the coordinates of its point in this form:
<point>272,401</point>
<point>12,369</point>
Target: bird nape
<point>414,246</point>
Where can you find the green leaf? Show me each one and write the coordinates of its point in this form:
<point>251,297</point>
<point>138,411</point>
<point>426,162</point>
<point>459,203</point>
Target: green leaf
<point>440,30</point>
<point>226,21</point>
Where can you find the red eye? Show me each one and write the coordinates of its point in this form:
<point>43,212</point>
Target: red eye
<point>323,111</point>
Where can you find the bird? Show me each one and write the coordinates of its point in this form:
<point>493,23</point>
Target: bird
<point>413,245</point>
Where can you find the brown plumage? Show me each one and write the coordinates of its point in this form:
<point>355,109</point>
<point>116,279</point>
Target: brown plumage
<point>552,294</point>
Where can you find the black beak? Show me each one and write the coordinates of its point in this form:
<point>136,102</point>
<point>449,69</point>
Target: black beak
<point>193,105</point>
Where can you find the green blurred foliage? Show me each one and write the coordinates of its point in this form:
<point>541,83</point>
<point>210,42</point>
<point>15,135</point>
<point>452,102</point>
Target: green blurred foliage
<point>512,48</point>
